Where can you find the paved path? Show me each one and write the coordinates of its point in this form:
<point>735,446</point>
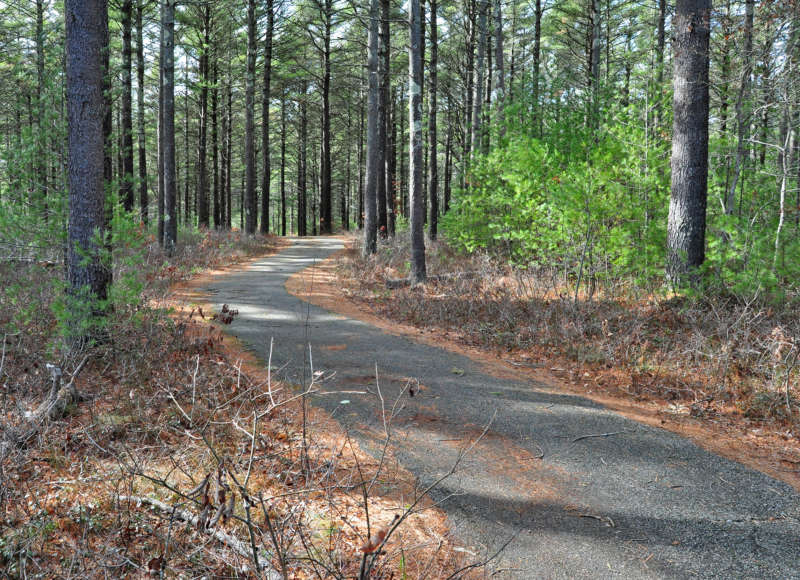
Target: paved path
<point>640,503</point>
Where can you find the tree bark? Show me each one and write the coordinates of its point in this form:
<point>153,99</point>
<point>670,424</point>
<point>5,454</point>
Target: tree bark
<point>433,164</point>
<point>251,205</point>
<point>477,101</point>
<point>283,165</point>
<point>687,209</point>
<point>41,137</point>
<point>743,113</point>
<point>660,50</point>
<point>143,194</point>
<point>383,103</point>
<point>215,196</point>
<point>301,163</point>
<point>126,179</point>
<point>203,217</point>
<point>537,49</point>
<point>86,38</point>
<point>500,81</point>
<point>373,134</point>
<point>267,96</point>
<point>326,209</point>
<point>168,101</point>
<point>418,273</point>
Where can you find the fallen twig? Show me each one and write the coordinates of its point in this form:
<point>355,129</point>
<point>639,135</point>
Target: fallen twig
<point>582,437</point>
<point>232,542</point>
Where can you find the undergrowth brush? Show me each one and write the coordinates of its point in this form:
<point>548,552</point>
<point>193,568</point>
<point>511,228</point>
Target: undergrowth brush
<point>706,357</point>
<point>181,459</point>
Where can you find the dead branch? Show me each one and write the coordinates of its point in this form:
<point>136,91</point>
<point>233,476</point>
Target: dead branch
<point>232,542</point>
<point>52,408</point>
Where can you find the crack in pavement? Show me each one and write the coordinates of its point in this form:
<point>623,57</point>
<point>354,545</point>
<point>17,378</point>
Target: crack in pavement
<point>655,504</point>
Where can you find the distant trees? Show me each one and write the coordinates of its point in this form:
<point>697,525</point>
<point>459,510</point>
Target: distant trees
<point>543,127</point>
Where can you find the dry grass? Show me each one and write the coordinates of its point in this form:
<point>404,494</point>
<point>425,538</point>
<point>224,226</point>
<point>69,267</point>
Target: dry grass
<point>710,358</point>
<point>169,404</point>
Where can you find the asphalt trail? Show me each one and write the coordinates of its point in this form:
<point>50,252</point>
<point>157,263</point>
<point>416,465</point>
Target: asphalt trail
<point>639,502</point>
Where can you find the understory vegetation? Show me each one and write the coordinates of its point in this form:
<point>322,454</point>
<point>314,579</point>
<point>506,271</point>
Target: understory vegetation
<point>717,356</point>
<point>179,458</point>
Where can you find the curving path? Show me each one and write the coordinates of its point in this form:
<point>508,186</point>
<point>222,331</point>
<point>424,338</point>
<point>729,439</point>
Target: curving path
<point>638,502</point>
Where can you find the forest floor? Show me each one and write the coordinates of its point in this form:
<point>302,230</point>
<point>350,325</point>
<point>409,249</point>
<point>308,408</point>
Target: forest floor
<point>719,372</point>
<point>145,476</point>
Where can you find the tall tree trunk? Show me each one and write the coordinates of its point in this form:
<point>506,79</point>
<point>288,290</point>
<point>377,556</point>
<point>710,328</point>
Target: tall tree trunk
<point>267,96</point>
<point>391,164</point>
<point>126,179</point>
<point>743,113</point>
<point>326,209</point>
<point>215,140</point>
<point>470,7</point>
<point>594,66</point>
<point>203,217</point>
<point>223,162</point>
<point>477,101</point>
<point>229,146</point>
<point>373,133</point>
<point>344,200</point>
<point>537,49</point>
<point>361,112</point>
<point>687,208</point>
<point>160,140</point>
<point>168,118</point>
<point>384,40</point>
<point>302,163</point>
<point>250,204</point>
<point>725,68</point>
<point>41,134</point>
<point>143,195</point>
<point>433,165</point>
<point>283,164</point>
<point>660,50</point>
<point>500,81</point>
<point>448,163</point>
<point>187,213</point>
<point>86,37</point>
<point>418,273</point>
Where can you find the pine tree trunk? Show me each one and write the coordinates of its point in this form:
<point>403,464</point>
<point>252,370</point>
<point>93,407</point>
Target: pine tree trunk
<point>267,96</point>
<point>250,204</point>
<point>86,37</point>
<point>660,50</point>
<point>687,209</point>
<point>500,81</point>
<point>215,141</point>
<point>143,194</point>
<point>168,64</point>
<point>361,112</point>
<point>126,179</point>
<point>433,165</point>
<point>537,49</point>
<point>477,101</point>
<point>203,216</point>
<point>373,133</point>
<point>41,136</point>
<point>383,102</point>
<point>283,165</point>
<point>743,113</point>
<point>418,273</point>
<point>301,164</point>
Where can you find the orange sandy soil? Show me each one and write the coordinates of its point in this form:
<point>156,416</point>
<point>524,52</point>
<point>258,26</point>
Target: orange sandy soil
<point>764,446</point>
